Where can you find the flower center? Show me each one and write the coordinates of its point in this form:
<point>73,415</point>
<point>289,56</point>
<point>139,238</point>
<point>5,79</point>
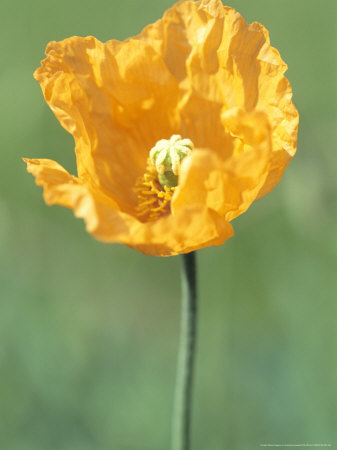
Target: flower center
<point>156,187</point>
<point>167,155</point>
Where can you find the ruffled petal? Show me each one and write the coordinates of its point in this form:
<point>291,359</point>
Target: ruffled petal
<point>60,187</point>
<point>221,62</point>
<point>193,228</point>
<point>117,99</point>
<point>228,186</point>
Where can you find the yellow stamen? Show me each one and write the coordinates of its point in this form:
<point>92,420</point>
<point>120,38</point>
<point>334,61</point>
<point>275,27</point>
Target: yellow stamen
<point>153,200</point>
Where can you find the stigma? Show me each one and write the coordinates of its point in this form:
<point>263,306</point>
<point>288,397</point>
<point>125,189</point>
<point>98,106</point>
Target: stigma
<point>166,157</point>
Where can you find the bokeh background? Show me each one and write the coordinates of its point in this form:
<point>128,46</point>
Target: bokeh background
<point>89,331</point>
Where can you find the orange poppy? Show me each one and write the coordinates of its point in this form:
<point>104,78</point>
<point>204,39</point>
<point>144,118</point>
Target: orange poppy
<point>199,97</point>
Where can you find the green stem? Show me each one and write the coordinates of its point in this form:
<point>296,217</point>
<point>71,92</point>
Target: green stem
<point>184,382</point>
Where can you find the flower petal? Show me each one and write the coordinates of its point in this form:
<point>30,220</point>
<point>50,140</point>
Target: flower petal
<point>190,230</point>
<point>194,228</point>
<point>228,186</point>
<point>221,62</point>
<point>117,99</point>
<point>59,186</point>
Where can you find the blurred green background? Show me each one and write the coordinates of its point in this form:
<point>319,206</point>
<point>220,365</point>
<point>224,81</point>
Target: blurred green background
<point>89,331</point>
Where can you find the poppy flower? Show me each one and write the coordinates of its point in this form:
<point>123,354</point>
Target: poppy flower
<point>177,130</point>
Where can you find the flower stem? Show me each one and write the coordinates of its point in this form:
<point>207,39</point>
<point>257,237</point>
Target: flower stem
<point>184,381</point>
